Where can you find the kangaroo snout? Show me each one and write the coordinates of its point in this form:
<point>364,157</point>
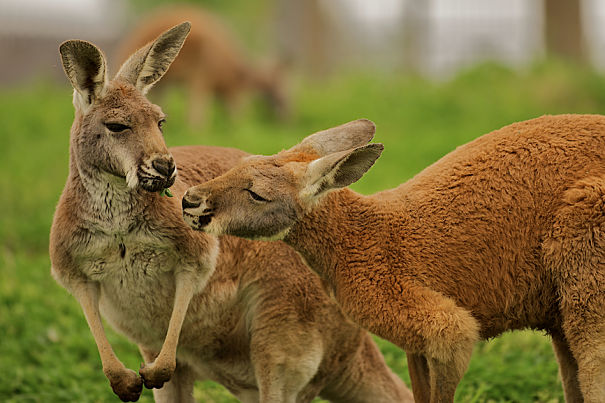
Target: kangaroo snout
<point>157,172</point>
<point>197,210</point>
<point>196,203</point>
<point>164,165</point>
<point>190,203</point>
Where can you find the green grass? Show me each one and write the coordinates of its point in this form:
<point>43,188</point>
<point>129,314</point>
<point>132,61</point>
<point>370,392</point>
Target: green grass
<point>46,351</point>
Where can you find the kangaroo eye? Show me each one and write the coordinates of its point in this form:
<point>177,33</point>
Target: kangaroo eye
<point>161,124</point>
<point>256,196</point>
<point>116,127</point>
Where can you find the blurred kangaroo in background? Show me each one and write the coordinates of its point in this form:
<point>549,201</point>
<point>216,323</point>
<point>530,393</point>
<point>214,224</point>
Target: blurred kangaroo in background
<point>210,64</point>
<point>248,315</point>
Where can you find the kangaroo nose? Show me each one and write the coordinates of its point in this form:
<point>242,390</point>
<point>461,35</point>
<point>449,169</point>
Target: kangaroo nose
<point>190,203</point>
<point>164,166</point>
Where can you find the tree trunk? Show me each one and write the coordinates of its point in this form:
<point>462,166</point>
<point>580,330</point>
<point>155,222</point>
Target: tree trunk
<point>416,30</point>
<point>564,33</point>
<point>305,38</point>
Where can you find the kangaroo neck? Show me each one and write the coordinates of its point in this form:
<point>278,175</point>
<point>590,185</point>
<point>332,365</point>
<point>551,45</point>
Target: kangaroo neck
<point>106,202</point>
<point>329,236</point>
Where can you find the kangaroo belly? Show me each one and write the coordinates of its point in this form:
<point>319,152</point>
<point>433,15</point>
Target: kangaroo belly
<point>138,304</point>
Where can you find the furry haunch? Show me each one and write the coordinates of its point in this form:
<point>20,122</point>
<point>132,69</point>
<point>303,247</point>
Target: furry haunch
<point>506,232</point>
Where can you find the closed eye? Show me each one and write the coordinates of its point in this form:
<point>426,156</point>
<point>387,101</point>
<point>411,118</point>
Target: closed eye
<point>116,127</point>
<point>256,196</point>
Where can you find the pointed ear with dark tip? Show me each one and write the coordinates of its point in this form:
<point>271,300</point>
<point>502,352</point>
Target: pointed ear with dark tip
<point>339,138</point>
<point>340,169</point>
<point>85,67</point>
<point>148,64</point>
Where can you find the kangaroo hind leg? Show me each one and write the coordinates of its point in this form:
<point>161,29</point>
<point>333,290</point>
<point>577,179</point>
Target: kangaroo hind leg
<point>574,250</point>
<point>568,369</point>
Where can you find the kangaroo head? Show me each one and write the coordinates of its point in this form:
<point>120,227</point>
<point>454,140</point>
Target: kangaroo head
<point>117,132</point>
<point>264,196</point>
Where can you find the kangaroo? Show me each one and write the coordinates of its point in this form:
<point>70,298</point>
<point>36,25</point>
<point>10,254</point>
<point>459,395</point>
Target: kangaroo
<point>505,232</point>
<point>248,315</point>
<point>210,64</point>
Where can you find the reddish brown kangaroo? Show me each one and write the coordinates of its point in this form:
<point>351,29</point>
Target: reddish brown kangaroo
<point>506,232</point>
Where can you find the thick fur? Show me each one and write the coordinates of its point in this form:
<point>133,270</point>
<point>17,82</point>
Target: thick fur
<point>248,315</point>
<point>211,63</point>
<point>506,232</point>
<point>261,311</point>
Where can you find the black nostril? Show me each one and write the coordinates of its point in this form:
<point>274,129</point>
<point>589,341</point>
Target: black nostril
<point>190,204</point>
<point>171,167</point>
<point>164,166</point>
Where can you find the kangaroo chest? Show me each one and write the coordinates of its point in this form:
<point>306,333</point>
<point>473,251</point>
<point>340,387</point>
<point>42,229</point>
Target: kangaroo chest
<point>136,276</point>
<point>127,258</point>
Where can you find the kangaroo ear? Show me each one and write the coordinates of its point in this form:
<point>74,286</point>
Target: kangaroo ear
<point>339,138</point>
<point>340,169</point>
<point>148,64</point>
<point>85,67</point>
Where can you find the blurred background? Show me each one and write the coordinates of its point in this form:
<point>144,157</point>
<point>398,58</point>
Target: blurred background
<point>432,74</point>
<point>434,37</point>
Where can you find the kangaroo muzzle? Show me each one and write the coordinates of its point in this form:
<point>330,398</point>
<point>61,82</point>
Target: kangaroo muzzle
<point>157,173</point>
<point>197,211</point>
<point>165,166</point>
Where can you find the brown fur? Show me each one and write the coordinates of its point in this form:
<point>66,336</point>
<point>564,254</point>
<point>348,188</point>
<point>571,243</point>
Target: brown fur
<point>210,64</point>
<point>251,317</point>
<point>505,232</point>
